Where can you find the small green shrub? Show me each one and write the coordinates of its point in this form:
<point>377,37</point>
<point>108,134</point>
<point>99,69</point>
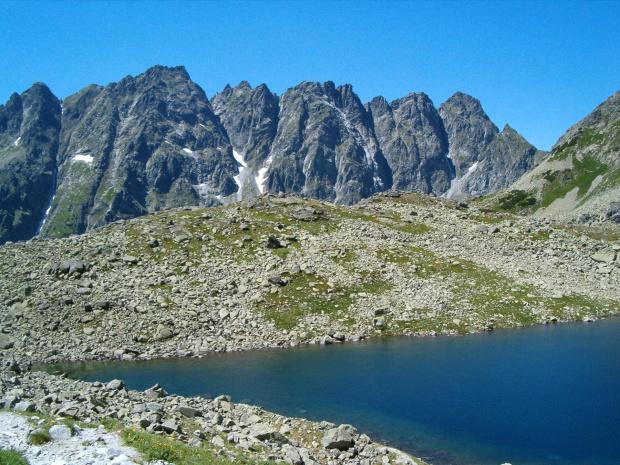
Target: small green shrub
<point>38,436</point>
<point>516,198</point>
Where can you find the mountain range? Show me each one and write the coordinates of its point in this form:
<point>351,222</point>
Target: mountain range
<point>156,141</point>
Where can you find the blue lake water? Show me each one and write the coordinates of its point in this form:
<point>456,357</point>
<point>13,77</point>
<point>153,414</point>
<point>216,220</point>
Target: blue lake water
<point>543,395</point>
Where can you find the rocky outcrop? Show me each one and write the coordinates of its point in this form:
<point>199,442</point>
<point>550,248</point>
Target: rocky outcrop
<point>29,134</point>
<point>485,160</point>
<point>250,118</point>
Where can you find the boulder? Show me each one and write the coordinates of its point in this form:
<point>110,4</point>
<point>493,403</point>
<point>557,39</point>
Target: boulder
<point>70,267</point>
<point>6,342</point>
<point>115,385</point>
<point>163,334</point>
<point>24,406</point>
<point>604,256</point>
<point>341,438</point>
<point>273,243</point>
<point>60,432</point>
<point>188,412</point>
<point>263,432</point>
<point>171,426</point>
<point>613,212</point>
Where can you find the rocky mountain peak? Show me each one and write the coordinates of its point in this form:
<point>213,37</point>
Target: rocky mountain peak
<point>484,159</point>
<point>29,128</point>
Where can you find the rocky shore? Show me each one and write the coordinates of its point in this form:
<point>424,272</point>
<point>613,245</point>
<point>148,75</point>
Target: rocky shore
<point>227,428</point>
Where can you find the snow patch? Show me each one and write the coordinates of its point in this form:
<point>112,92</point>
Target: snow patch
<point>16,141</point>
<point>202,189</point>
<point>85,158</point>
<point>262,175</point>
<point>242,167</point>
<point>239,159</point>
<point>458,184</point>
<point>190,153</point>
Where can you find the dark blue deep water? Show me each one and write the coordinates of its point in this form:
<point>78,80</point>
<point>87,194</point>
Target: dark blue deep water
<point>544,395</point>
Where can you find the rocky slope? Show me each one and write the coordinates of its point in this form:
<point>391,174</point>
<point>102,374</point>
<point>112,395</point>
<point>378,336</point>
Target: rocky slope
<point>278,271</point>
<point>215,431</point>
<point>580,178</point>
<point>155,141</point>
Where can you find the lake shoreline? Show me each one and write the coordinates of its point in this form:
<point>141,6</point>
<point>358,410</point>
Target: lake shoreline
<point>110,355</point>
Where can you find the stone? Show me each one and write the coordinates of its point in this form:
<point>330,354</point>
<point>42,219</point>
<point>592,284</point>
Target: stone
<point>188,412</point>
<point>607,255</point>
<point>380,322</point>
<point>341,438</point>
<point>273,243</point>
<point>59,432</point>
<point>263,432</point>
<point>291,455</point>
<point>171,426</point>
<point>277,280</point>
<point>9,402</point>
<point>163,334</point>
<point>155,392</point>
<point>115,385</point>
<point>6,342</point>
<point>24,406</point>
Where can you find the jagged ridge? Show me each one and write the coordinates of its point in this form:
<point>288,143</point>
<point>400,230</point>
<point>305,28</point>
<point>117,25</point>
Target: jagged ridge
<point>156,141</point>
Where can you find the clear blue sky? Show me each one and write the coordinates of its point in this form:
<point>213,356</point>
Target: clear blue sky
<point>539,66</point>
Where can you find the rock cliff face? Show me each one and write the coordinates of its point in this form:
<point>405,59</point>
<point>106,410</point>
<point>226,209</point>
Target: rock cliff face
<point>250,117</point>
<point>485,160</point>
<point>325,147</point>
<point>156,141</point>
<point>29,132</point>
<point>134,147</point>
<point>414,141</point>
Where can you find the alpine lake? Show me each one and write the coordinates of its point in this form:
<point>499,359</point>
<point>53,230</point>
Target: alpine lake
<point>541,395</point>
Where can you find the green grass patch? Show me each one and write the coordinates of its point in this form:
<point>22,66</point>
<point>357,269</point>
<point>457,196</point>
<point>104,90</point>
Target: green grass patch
<point>158,447</point>
<point>582,175</point>
<point>312,295</point>
<point>12,457</point>
<point>394,256</point>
